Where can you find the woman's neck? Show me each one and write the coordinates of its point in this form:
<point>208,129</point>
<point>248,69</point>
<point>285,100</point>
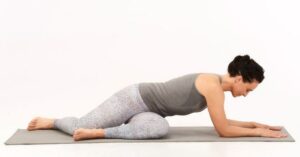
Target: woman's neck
<point>226,82</point>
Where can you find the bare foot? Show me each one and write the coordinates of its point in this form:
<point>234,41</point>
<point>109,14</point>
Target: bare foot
<point>40,123</point>
<point>82,134</point>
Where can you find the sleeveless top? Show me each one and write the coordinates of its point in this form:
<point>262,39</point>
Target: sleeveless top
<point>177,96</point>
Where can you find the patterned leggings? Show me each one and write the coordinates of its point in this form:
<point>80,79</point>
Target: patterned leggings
<point>123,115</point>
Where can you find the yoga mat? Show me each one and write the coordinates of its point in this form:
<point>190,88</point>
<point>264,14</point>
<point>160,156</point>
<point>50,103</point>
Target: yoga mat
<point>176,134</point>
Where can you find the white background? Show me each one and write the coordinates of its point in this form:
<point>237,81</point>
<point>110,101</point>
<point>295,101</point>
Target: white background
<point>64,57</point>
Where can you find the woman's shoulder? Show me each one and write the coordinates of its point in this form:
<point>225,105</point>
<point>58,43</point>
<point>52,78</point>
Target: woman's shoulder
<point>211,78</point>
<point>207,82</point>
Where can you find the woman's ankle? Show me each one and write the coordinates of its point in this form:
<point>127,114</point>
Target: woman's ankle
<point>99,133</point>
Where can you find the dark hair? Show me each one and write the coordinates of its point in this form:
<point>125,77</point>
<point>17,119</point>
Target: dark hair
<point>247,67</point>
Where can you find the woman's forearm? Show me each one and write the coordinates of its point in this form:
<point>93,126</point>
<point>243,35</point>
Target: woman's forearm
<point>241,123</point>
<point>236,131</point>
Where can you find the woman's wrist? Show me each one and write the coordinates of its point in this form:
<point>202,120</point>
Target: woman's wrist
<point>258,131</point>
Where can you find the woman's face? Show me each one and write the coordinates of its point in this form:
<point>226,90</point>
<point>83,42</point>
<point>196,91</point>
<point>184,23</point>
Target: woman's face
<point>241,88</point>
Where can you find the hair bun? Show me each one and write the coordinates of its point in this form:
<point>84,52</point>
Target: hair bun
<point>239,59</point>
<point>247,67</point>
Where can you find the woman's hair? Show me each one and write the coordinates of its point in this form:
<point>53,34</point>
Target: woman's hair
<point>247,67</point>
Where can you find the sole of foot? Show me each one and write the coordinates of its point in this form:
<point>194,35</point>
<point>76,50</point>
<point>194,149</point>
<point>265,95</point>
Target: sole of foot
<point>39,123</point>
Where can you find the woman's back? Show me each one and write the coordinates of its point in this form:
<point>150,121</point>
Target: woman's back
<point>177,96</point>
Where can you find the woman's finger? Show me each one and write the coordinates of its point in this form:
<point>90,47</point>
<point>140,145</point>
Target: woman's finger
<point>273,133</point>
<point>283,135</point>
<point>277,128</point>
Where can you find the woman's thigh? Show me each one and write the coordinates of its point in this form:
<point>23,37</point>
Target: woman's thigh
<point>115,110</point>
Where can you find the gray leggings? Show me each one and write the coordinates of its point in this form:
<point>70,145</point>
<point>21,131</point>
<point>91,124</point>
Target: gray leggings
<point>123,115</point>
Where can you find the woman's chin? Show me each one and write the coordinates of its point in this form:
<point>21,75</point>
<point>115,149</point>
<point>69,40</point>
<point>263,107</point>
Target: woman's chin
<point>233,95</point>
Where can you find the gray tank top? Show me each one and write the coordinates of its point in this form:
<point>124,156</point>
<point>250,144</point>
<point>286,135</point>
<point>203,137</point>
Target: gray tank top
<point>177,96</point>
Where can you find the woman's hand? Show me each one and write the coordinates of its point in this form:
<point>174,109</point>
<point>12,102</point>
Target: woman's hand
<point>264,126</point>
<point>270,133</point>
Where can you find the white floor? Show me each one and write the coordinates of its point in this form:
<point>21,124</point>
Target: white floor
<point>158,149</point>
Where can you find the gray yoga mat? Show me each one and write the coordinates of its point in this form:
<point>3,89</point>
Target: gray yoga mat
<point>176,134</point>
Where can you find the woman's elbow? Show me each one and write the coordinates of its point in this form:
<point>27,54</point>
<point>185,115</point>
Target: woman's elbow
<point>222,132</point>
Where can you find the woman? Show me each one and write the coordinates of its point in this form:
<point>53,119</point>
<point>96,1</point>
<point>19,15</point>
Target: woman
<point>137,111</point>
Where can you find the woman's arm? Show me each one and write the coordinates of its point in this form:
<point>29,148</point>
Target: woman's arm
<point>241,123</point>
<point>215,103</point>
<point>235,131</point>
<point>252,125</point>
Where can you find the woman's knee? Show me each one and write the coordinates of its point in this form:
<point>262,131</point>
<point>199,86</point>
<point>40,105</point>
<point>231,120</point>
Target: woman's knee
<point>162,127</point>
<point>154,124</point>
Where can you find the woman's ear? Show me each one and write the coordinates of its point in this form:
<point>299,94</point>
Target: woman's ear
<point>238,78</point>
<point>235,79</point>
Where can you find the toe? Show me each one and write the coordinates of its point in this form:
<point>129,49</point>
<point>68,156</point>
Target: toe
<point>34,121</point>
<point>76,138</point>
<point>76,132</point>
<point>29,128</point>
